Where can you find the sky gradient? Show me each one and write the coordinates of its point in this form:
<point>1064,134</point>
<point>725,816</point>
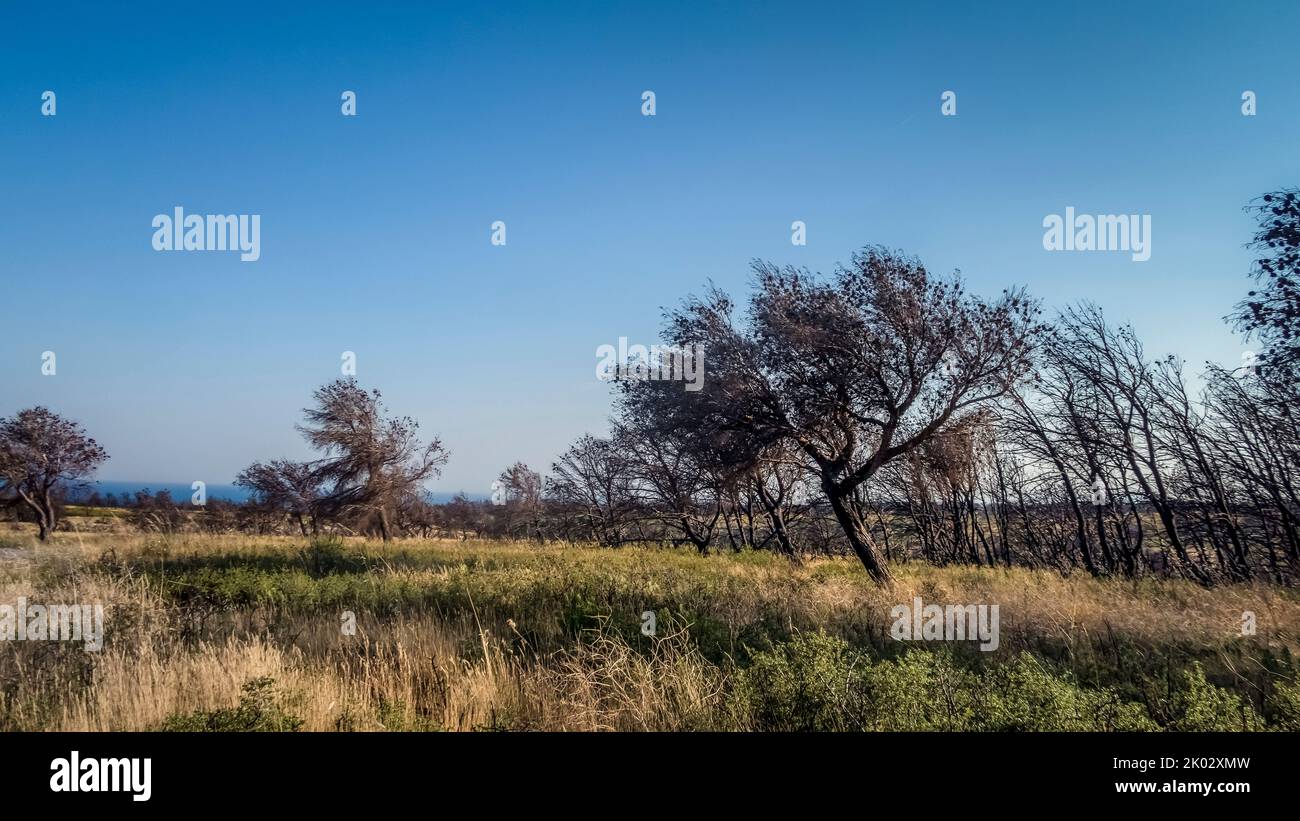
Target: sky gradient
<point>375,229</point>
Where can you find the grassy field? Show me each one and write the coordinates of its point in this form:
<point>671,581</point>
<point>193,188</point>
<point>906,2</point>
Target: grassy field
<point>224,632</point>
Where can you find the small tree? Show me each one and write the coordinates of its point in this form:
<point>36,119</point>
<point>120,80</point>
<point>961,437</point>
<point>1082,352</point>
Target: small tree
<point>593,480</point>
<point>285,485</point>
<point>40,452</point>
<point>523,490</point>
<point>371,461</point>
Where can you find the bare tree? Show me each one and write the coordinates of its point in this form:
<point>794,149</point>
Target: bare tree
<point>854,372</point>
<point>778,480</point>
<point>371,461</point>
<point>523,500</point>
<point>282,484</point>
<point>40,452</point>
<point>673,484</point>
<point>1111,366</point>
<point>593,488</point>
<point>462,516</point>
<point>1257,446</point>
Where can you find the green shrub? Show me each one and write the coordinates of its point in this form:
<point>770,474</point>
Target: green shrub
<point>1286,705</point>
<point>261,710</point>
<point>922,691</point>
<point>1025,695</point>
<point>812,682</point>
<point>1199,706</point>
<point>818,682</point>
<point>327,555</point>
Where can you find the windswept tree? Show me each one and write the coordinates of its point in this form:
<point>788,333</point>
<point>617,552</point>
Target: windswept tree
<point>854,371</point>
<point>521,490</point>
<point>1256,446</point>
<point>1272,311</point>
<point>698,481</point>
<point>593,486</point>
<point>285,485</point>
<point>674,485</point>
<point>370,461</point>
<point>41,453</point>
<point>520,483</point>
<point>1111,407</point>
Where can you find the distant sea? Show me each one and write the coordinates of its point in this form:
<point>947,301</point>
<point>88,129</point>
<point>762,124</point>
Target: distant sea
<point>181,492</point>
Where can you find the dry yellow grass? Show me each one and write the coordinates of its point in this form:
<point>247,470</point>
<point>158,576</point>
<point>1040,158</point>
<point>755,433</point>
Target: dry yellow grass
<point>415,679</point>
<point>492,663</point>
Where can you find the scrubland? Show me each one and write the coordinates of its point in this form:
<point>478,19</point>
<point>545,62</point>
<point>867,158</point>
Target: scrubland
<point>272,633</point>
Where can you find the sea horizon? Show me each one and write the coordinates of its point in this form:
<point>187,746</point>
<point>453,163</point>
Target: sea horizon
<point>181,491</point>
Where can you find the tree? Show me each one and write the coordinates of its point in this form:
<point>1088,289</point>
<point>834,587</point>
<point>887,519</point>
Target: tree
<point>461,515</point>
<point>854,372</point>
<point>594,484</point>
<point>522,489</point>
<point>1124,412</point>
<point>40,452</point>
<point>292,487</point>
<point>777,481</point>
<point>671,481</point>
<point>1272,312</point>
<point>371,461</point>
<point>693,477</point>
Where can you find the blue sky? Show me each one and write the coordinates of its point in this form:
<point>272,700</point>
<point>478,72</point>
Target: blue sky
<point>375,229</point>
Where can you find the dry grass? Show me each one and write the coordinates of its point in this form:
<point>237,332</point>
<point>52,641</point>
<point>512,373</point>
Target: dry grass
<point>464,636</point>
<point>415,679</point>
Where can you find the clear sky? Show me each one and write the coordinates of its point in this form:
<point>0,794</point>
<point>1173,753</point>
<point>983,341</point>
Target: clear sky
<point>375,229</point>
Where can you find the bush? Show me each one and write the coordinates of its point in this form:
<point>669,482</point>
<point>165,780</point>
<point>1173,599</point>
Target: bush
<point>1199,706</point>
<point>1286,703</point>
<point>327,555</point>
<point>813,682</point>
<point>922,691</point>
<point>1026,695</point>
<point>817,682</point>
<point>260,710</point>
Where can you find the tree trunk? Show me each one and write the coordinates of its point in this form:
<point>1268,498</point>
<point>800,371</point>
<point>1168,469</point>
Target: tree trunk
<point>859,538</point>
<point>44,510</point>
<point>771,505</point>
